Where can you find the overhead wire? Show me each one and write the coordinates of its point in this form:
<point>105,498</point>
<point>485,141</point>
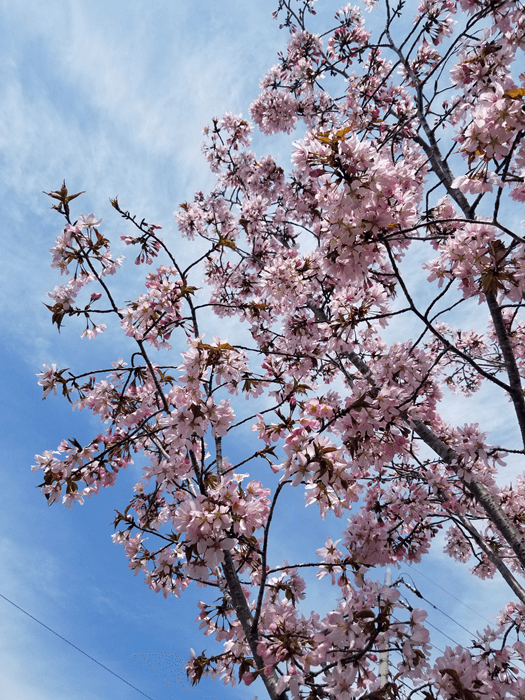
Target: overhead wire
<point>413,588</point>
<point>417,592</point>
<point>420,595</point>
<point>74,646</point>
<point>413,569</point>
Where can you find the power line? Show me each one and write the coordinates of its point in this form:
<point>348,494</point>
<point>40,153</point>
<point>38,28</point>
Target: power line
<point>420,595</point>
<point>427,622</point>
<point>417,571</point>
<point>75,647</point>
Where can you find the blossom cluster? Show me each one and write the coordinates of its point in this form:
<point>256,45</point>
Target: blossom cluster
<point>155,314</point>
<point>324,263</point>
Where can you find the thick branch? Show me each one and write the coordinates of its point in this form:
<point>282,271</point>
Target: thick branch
<point>486,500</point>
<point>240,605</point>
<point>439,164</point>
<point>516,392</point>
<point>480,492</point>
<point>264,572</point>
<point>245,618</point>
<point>494,558</point>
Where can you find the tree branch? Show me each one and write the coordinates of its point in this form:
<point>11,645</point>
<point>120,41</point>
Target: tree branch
<point>481,493</point>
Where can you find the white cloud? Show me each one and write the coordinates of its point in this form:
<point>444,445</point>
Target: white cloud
<point>113,97</point>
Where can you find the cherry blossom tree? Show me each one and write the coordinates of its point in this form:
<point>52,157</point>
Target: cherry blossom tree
<point>380,272</point>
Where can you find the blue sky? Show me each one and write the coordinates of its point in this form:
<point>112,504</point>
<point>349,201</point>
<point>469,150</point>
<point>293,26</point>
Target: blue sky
<point>112,97</point>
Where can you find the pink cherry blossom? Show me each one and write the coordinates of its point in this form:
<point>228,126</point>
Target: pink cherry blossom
<point>353,291</point>
<point>89,221</point>
<point>48,379</point>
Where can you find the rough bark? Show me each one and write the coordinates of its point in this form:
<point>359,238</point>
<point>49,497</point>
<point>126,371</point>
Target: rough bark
<point>481,493</point>
<point>516,393</point>
<point>244,616</point>
<point>240,605</point>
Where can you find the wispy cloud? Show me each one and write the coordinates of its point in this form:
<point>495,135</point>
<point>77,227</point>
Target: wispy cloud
<point>113,97</point>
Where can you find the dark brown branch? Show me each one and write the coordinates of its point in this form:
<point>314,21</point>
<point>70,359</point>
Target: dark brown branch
<point>481,493</point>
<point>516,390</point>
<point>242,609</point>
